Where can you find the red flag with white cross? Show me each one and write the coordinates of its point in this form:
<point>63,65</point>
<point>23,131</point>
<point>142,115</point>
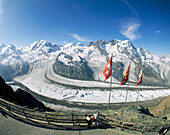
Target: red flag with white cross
<point>108,70</point>
<point>140,78</point>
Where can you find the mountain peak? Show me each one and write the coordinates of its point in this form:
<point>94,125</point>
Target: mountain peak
<point>6,49</point>
<point>42,46</point>
<point>79,44</point>
<point>69,45</point>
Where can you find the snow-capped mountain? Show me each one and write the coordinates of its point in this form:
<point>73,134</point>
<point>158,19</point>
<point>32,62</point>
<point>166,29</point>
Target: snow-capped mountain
<point>156,69</point>
<point>11,62</point>
<point>9,54</point>
<point>42,47</point>
<point>66,66</point>
<point>77,60</point>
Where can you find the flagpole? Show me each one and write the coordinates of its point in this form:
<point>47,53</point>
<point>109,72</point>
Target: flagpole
<point>125,101</point>
<point>125,98</point>
<point>135,104</point>
<point>137,98</point>
<point>108,105</point>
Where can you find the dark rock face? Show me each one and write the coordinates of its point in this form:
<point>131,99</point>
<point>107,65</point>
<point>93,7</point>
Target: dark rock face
<point>144,110</point>
<point>28,100</point>
<point>21,69</point>
<point>9,72</point>
<point>138,109</point>
<point>100,45</point>
<point>20,97</point>
<point>6,92</point>
<point>73,69</point>
<point>118,70</point>
<point>151,77</point>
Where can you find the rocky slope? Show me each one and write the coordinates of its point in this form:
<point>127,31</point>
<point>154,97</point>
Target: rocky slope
<point>20,97</point>
<point>162,110</point>
<point>138,115</point>
<point>73,69</point>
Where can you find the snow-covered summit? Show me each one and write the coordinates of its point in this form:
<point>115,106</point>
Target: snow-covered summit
<point>68,45</point>
<point>42,47</point>
<point>9,54</point>
<point>117,48</point>
<point>8,49</point>
<point>144,54</point>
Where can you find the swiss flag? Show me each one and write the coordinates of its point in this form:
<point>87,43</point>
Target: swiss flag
<point>108,70</point>
<point>140,78</point>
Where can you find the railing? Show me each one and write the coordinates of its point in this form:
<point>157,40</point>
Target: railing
<point>72,119</point>
<point>50,117</point>
<point>132,126</point>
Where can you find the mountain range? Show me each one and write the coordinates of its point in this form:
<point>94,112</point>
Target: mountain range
<point>78,61</point>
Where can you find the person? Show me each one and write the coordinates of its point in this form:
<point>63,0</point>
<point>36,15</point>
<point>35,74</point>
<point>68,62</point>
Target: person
<point>96,117</point>
<point>88,120</point>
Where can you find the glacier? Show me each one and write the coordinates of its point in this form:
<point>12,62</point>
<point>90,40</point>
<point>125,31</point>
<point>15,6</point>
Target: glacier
<point>39,74</point>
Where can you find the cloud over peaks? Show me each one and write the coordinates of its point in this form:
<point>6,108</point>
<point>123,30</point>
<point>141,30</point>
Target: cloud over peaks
<point>78,38</point>
<point>130,30</point>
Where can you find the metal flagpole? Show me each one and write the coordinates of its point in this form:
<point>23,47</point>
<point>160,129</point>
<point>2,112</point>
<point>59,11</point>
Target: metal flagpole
<point>108,105</point>
<point>137,98</point>
<point>125,98</point>
<point>135,103</point>
<point>125,101</point>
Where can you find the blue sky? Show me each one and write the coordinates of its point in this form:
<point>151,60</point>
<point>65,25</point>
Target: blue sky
<point>146,23</point>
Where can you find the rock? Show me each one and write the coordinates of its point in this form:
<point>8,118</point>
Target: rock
<point>7,93</point>
<point>137,109</point>
<point>73,69</point>
<point>29,101</point>
<point>163,109</point>
<point>20,97</point>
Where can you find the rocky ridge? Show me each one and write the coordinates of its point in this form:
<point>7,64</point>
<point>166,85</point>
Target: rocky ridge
<point>20,97</point>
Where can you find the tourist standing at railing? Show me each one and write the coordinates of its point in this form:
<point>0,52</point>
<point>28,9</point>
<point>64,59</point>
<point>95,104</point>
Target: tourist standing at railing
<point>88,120</point>
<point>96,116</point>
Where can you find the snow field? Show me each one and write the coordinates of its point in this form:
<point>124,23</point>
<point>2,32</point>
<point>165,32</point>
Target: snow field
<point>37,82</point>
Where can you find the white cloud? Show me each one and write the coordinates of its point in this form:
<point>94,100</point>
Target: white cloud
<point>78,38</point>
<point>130,30</point>
<point>157,32</point>
<point>131,7</point>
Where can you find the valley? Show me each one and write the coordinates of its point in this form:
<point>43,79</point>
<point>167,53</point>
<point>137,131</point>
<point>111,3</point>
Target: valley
<point>43,81</point>
<point>64,72</point>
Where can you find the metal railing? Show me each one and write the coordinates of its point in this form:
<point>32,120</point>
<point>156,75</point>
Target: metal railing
<point>49,117</point>
<point>72,119</point>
